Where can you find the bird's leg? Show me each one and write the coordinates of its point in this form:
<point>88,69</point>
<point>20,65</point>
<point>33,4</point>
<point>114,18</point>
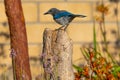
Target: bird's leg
<point>66,27</point>
<point>60,28</point>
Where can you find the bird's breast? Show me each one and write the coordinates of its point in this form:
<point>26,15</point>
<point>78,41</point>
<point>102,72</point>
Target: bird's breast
<point>63,20</point>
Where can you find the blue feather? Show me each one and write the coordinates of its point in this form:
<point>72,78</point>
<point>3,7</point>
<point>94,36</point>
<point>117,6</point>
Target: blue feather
<point>62,14</point>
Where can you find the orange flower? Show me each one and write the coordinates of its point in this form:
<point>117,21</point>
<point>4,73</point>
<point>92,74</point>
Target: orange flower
<point>118,74</point>
<point>86,71</point>
<point>110,77</point>
<point>77,76</point>
<point>98,19</point>
<point>98,71</point>
<point>102,60</point>
<point>109,66</point>
<point>91,56</point>
<point>102,8</point>
<point>94,64</point>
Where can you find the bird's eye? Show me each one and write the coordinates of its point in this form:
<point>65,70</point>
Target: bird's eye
<point>50,10</point>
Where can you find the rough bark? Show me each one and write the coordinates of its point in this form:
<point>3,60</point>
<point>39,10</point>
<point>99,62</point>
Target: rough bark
<point>57,55</point>
<point>19,45</point>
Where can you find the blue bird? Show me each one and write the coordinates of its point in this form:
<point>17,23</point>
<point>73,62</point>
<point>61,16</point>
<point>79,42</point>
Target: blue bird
<point>62,17</point>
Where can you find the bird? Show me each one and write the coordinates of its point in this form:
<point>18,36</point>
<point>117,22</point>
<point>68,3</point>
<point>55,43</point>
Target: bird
<point>62,17</point>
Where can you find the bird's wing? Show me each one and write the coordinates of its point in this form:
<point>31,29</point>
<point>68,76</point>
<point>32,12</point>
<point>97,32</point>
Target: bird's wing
<point>62,13</point>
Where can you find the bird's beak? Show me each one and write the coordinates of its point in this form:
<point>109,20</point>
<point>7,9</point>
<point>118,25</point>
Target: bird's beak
<point>82,16</point>
<point>46,13</point>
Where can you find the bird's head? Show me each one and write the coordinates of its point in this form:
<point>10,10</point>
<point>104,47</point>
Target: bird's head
<point>52,11</point>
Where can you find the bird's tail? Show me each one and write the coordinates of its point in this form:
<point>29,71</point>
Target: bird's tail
<point>82,16</point>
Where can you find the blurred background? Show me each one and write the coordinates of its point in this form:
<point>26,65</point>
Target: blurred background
<point>104,16</point>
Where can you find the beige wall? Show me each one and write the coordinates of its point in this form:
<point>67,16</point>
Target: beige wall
<point>80,30</point>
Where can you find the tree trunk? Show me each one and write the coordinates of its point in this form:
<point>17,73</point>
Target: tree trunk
<point>57,55</point>
<point>19,45</point>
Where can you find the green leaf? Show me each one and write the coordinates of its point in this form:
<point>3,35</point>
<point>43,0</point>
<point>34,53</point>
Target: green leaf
<point>79,69</point>
<point>94,38</point>
<point>116,70</point>
<point>85,54</point>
